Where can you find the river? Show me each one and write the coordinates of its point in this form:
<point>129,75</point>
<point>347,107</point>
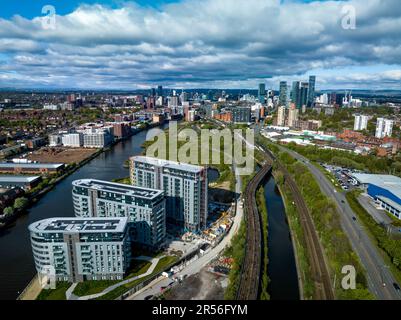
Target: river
<point>282,267</point>
<point>16,262</point>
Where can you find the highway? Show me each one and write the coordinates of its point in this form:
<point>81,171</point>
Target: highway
<point>377,272</point>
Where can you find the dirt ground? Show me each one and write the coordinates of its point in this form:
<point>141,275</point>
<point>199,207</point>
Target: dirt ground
<point>61,155</point>
<point>201,286</point>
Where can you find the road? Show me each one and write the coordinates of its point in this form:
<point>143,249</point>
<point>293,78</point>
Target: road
<point>377,272</point>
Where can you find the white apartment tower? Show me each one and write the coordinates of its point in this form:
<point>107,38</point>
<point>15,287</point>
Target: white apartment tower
<point>361,122</point>
<point>281,116</point>
<point>384,128</point>
<point>185,187</point>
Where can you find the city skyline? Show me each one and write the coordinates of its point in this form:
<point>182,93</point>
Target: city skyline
<point>200,44</point>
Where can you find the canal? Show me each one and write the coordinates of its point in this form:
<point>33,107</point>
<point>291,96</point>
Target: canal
<point>282,269</point>
<point>16,262</point>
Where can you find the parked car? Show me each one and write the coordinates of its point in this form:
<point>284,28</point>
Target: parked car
<point>148,297</point>
<point>396,286</point>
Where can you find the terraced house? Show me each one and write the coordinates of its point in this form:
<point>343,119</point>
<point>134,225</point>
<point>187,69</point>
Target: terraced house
<point>82,249</point>
<point>144,207</point>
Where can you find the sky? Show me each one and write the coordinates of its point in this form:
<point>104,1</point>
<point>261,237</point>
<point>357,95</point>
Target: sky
<point>114,44</point>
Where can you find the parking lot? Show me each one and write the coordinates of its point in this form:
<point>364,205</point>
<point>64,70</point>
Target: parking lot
<point>343,176</point>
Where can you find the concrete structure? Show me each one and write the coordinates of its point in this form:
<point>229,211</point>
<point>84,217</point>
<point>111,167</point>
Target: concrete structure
<point>384,189</point>
<point>185,187</point>
<point>35,168</point>
<point>281,116</point>
<point>97,138</point>
<point>361,122</point>
<point>145,208</point>
<point>82,249</point>
<point>384,128</point>
<point>293,115</point>
<point>24,182</point>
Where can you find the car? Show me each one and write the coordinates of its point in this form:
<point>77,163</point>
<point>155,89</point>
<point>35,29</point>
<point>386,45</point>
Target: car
<point>148,297</point>
<point>396,286</point>
<point>342,201</point>
<point>353,218</point>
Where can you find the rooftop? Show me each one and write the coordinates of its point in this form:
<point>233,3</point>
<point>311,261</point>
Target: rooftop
<point>124,189</point>
<point>18,179</point>
<point>81,225</point>
<point>168,164</point>
<point>388,182</point>
<point>31,165</point>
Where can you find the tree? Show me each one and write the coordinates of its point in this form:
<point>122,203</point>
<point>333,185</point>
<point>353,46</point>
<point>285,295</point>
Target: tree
<point>20,203</point>
<point>8,211</point>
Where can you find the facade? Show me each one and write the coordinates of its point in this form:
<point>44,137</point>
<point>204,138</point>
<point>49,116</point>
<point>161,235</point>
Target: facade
<point>35,168</point>
<point>144,208</point>
<point>97,139</point>
<point>303,94</point>
<point>73,140</point>
<point>82,249</point>
<point>185,187</point>
<point>293,115</point>
<point>281,116</point>
<point>23,182</point>
<point>384,128</point>
<point>296,94</point>
<point>55,140</point>
<point>241,115</point>
<point>312,88</point>
<point>122,129</point>
<point>384,189</point>
<point>261,92</point>
<point>361,122</point>
<point>283,93</point>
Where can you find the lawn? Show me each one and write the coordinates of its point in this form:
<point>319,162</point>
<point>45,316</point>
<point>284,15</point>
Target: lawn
<point>55,294</point>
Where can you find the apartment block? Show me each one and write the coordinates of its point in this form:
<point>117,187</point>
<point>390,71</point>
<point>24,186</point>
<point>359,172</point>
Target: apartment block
<point>185,187</point>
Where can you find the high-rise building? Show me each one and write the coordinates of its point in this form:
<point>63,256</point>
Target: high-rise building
<point>82,249</point>
<point>281,116</point>
<point>159,91</point>
<point>144,207</point>
<point>360,122</point>
<point>303,94</point>
<point>283,93</point>
<point>384,128</point>
<point>293,115</point>
<point>296,94</point>
<point>312,88</point>
<point>262,92</point>
<point>185,187</point>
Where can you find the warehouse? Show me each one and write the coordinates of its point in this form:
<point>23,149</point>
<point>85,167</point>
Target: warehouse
<point>35,168</point>
<point>384,189</point>
<point>24,182</point>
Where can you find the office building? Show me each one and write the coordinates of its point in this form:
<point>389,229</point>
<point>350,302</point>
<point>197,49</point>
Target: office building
<point>312,88</point>
<point>295,94</point>
<point>303,95</point>
<point>262,92</point>
<point>82,249</point>
<point>384,128</point>
<point>360,122</point>
<point>144,208</point>
<point>283,93</point>
<point>241,115</point>
<point>185,187</point>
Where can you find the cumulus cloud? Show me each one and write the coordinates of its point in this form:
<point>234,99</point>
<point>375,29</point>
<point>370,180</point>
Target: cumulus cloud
<point>203,43</point>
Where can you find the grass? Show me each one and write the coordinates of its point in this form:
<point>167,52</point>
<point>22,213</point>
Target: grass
<point>117,292</point>
<point>55,294</point>
<point>96,286</point>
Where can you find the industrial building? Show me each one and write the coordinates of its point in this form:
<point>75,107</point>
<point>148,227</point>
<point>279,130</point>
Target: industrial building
<point>384,189</point>
<point>23,182</point>
<point>82,249</point>
<point>144,207</point>
<point>185,187</point>
<point>35,168</point>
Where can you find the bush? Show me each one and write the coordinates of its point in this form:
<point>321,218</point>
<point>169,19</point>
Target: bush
<point>20,203</point>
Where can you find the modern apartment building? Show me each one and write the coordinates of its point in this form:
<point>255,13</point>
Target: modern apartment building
<point>384,128</point>
<point>241,114</point>
<point>281,116</point>
<point>82,249</point>
<point>73,140</point>
<point>144,207</point>
<point>185,187</point>
<point>360,122</point>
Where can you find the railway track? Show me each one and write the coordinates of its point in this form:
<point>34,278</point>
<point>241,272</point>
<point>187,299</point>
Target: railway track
<point>319,269</point>
<point>248,288</point>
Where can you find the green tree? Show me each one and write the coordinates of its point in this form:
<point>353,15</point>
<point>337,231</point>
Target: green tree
<point>20,203</point>
<point>8,211</point>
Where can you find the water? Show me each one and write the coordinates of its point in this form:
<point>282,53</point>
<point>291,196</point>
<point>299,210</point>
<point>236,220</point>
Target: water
<point>282,267</point>
<point>16,262</point>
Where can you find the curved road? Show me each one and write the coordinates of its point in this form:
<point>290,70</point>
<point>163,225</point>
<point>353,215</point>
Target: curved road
<point>377,272</point>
